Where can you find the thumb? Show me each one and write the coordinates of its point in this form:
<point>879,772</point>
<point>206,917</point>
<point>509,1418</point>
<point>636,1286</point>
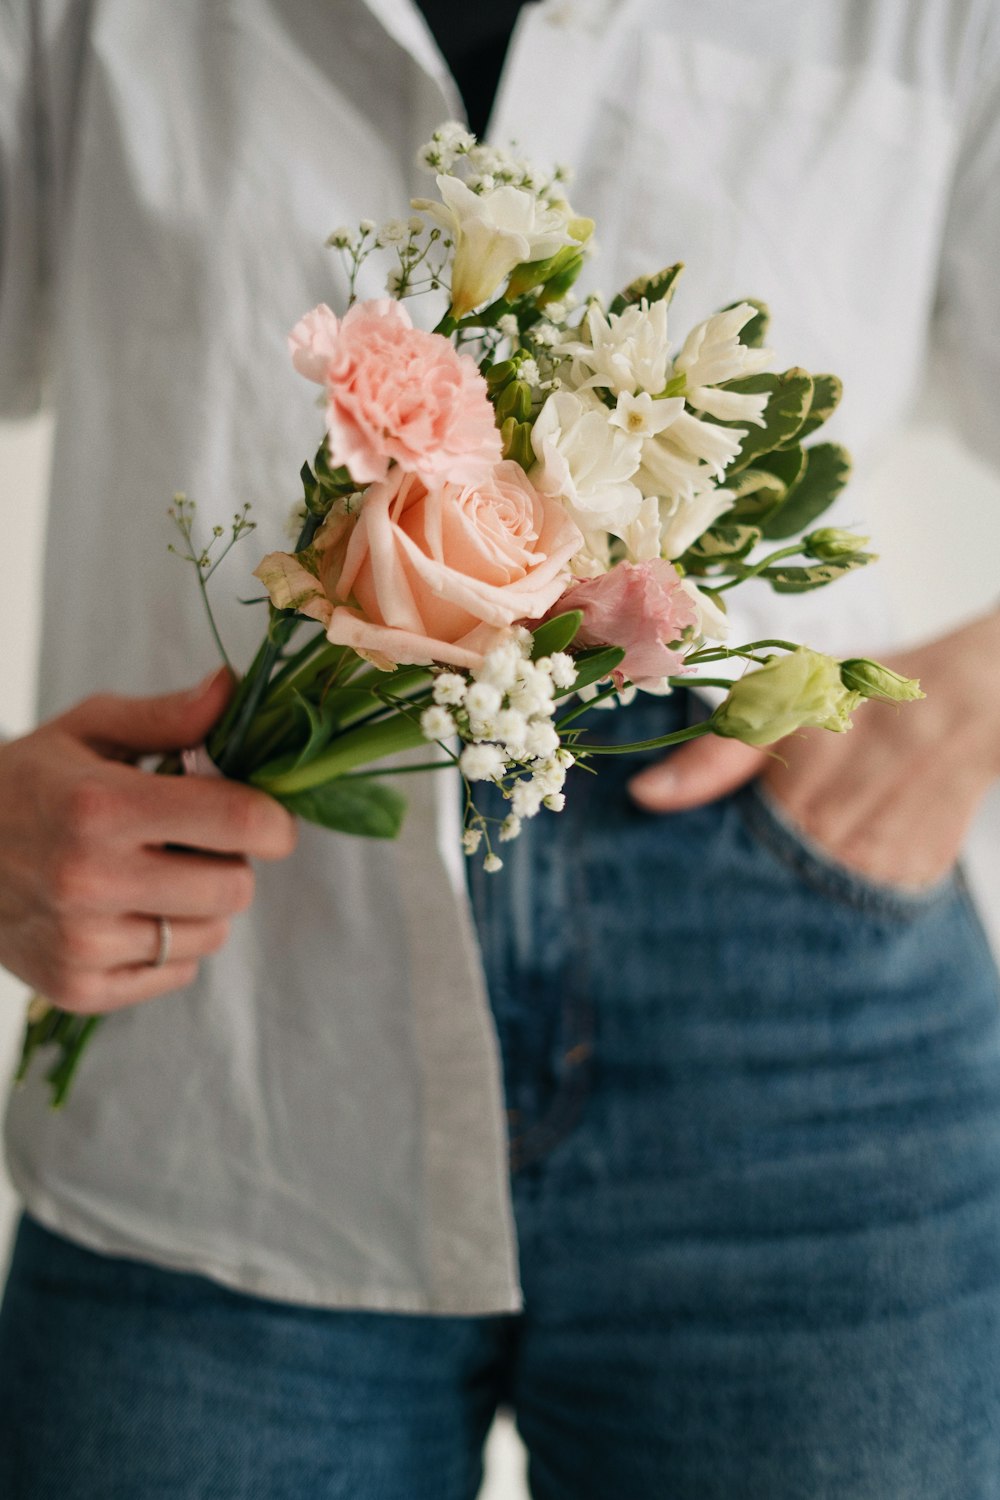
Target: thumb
<point>701,771</point>
<point>170,721</point>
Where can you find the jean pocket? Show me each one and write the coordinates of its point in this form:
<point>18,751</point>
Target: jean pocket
<point>773,831</point>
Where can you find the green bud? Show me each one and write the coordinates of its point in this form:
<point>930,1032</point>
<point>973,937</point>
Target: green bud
<point>498,375</point>
<point>872,680</point>
<point>517,442</point>
<point>830,543</point>
<point>802,690</point>
<point>558,284</point>
<point>563,268</point>
<point>514,401</point>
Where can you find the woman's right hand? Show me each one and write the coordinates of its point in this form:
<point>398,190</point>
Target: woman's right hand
<point>93,851</point>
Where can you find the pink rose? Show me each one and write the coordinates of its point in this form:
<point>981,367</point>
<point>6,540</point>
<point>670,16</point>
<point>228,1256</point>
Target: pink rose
<point>641,606</point>
<point>395,392</point>
<point>432,575</point>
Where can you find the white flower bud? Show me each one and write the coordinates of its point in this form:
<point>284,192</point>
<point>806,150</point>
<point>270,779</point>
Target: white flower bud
<point>510,828</point>
<point>483,699</point>
<point>449,688</point>
<point>482,762</point>
<point>492,863</point>
<point>555,801</point>
<point>471,840</point>
<point>563,669</point>
<point>437,723</point>
<point>542,739</point>
<point>526,798</point>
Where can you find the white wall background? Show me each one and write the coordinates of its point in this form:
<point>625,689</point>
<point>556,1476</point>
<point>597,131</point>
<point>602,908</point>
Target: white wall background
<point>923,503</point>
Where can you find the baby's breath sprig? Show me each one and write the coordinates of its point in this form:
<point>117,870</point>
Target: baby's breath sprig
<point>182,513</point>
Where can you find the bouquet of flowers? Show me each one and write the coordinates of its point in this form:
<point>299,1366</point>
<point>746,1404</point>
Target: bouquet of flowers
<point>539,507</point>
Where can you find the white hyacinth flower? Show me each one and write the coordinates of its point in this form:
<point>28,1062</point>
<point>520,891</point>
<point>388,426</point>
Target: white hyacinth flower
<point>713,624</point>
<point>683,521</point>
<point>712,353</point>
<point>625,351</point>
<point>642,416</point>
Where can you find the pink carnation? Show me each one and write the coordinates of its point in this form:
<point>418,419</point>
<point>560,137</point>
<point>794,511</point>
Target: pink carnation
<point>640,606</point>
<point>395,392</point>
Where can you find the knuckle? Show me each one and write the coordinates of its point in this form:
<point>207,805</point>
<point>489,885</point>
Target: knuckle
<point>72,883</point>
<point>90,806</point>
<point>78,942</point>
<point>243,817</point>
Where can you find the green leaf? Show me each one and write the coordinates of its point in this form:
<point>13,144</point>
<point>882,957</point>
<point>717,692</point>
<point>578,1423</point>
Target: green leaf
<point>724,542</point>
<point>799,580</point>
<point>753,334</point>
<point>598,662</point>
<point>827,470</point>
<point>757,495</point>
<point>827,391</point>
<point>790,394</point>
<point>787,464</point>
<point>556,634</point>
<point>360,805</point>
<point>656,288</point>
<point>320,730</point>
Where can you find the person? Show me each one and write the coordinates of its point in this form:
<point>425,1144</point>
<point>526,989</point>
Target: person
<point>748,1239</point>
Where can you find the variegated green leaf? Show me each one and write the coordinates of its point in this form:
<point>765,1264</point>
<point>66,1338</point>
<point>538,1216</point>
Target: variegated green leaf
<point>827,391</point>
<point>657,288</point>
<point>724,542</point>
<point>799,580</point>
<point>827,470</point>
<point>790,394</point>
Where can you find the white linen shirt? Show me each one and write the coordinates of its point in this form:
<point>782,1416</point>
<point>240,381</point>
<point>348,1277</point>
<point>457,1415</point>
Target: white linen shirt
<point>319,1118</point>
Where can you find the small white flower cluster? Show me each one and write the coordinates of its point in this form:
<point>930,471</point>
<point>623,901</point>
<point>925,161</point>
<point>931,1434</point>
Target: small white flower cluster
<point>503,712</point>
<point>454,152</point>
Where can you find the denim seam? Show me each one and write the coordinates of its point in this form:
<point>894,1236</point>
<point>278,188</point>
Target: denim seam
<point>796,852</point>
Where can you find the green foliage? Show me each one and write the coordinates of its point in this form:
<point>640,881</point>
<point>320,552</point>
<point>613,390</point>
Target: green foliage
<point>758,493</point>
<point>721,543</point>
<point>826,471</point>
<point>656,288</point>
<point>362,805</point>
<point>598,662</point>
<point>827,391</point>
<point>800,580</point>
<point>789,393</point>
<point>556,634</point>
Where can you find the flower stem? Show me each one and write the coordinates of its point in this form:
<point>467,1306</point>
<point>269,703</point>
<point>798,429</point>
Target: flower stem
<point>692,732</point>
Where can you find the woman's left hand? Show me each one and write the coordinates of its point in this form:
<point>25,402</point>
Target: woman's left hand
<point>892,798</point>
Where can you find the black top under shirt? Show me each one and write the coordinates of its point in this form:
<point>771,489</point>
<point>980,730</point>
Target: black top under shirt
<point>474,39</point>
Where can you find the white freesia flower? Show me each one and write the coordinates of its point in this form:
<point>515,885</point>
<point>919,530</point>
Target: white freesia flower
<point>624,351</point>
<point>682,521</point>
<point>713,622</point>
<point>712,353</point>
<point>494,231</point>
<point>587,462</point>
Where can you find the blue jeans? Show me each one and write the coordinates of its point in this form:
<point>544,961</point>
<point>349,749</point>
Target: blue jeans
<point>755,1138</point>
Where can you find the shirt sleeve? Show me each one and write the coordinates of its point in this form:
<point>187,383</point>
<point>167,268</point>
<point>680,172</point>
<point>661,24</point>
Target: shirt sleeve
<point>42,44</point>
<point>965,335</point>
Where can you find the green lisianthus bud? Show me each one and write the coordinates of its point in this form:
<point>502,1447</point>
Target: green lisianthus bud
<point>830,543</point>
<point>802,690</point>
<point>557,272</point>
<point>558,284</point>
<point>872,680</point>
